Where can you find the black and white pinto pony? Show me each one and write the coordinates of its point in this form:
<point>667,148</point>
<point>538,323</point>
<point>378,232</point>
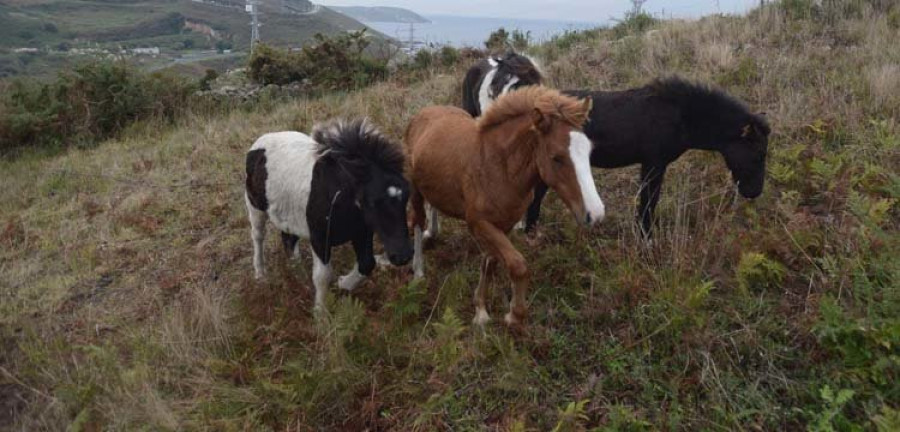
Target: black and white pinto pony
<point>341,185</point>
<point>653,126</point>
<point>494,76</point>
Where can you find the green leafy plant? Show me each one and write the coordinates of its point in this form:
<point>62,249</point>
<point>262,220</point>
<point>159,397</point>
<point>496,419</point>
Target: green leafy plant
<point>831,412</point>
<point>757,272</point>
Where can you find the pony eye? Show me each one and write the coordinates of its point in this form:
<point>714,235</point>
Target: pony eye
<point>558,159</point>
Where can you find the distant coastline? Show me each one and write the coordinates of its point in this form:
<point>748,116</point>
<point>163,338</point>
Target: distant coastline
<point>381,14</point>
<point>462,31</point>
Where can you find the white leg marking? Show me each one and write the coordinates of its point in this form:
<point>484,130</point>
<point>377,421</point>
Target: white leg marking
<point>418,259</point>
<point>520,225</point>
<point>350,281</point>
<point>321,280</point>
<point>296,253</point>
<point>258,236</point>
<point>580,152</point>
<point>434,223</point>
<point>481,317</point>
<point>485,98</point>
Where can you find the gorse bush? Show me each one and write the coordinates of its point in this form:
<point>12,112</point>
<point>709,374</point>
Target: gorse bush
<point>635,22</point>
<point>92,102</point>
<point>330,63</point>
<point>501,40</point>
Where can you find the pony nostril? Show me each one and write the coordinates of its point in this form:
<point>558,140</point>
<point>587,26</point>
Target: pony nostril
<point>587,219</point>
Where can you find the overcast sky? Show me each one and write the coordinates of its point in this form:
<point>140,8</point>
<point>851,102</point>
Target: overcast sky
<point>567,10</point>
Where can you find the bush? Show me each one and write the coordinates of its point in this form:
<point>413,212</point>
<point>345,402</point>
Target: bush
<point>520,40</point>
<point>498,40</point>
<point>331,63</point>
<point>92,102</point>
<point>423,59</point>
<point>635,22</point>
<point>449,55</point>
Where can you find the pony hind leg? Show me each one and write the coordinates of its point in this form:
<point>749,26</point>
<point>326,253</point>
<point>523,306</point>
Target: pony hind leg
<point>434,223</point>
<point>258,220</point>
<point>418,221</point>
<point>291,244</point>
<point>534,210</point>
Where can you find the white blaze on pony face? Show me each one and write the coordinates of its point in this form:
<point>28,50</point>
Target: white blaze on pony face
<point>580,151</point>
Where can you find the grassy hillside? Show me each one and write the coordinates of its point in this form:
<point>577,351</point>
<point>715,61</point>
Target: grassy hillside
<point>176,26</point>
<point>127,298</point>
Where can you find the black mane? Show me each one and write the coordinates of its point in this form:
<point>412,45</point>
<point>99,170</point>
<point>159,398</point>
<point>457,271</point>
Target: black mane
<point>356,145</point>
<point>704,106</point>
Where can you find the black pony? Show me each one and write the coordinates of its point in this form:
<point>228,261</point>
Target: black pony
<point>655,124</point>
<point>494,76</point>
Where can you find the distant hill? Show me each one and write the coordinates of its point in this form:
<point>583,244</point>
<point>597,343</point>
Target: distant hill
<point>381,14</point>
<point>61,30</point>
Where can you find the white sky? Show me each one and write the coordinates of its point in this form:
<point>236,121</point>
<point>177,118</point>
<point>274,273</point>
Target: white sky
<point>565,10</point>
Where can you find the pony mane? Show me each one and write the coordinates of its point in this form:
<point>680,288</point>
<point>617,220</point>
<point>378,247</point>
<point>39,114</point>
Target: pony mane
<point>704,103</point>
<point>548,101</point>
<point>357,144</point>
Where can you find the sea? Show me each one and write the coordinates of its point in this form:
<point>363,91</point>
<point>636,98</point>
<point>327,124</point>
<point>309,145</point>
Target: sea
<point>461,31</point>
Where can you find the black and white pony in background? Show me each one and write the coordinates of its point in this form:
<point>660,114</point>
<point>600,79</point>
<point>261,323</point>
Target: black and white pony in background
<point>341,185</point>
<point>651,126</point>
<point>494,76</point>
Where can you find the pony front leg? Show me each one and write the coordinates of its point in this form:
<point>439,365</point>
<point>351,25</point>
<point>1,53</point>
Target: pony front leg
<point>321,280</point>
<point>651,185</point>
<point>365,262</point>
<point>488,269</point>
<point>497,244</point>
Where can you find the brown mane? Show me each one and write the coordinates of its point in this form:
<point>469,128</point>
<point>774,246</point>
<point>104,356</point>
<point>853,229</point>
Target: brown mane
<point>550,102</point>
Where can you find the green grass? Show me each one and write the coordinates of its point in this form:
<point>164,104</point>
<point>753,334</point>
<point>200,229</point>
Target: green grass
<point>127,299</point>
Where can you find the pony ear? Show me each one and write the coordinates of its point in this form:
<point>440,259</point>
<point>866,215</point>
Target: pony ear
<point>540,121</point>
<point>745,131</point>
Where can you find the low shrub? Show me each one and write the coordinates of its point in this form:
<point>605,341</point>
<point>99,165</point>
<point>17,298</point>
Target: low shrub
<point>331,63</point>
<point>635,22</point>
<point>92,102</point>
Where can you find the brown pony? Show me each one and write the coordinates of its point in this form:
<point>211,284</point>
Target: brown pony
<point>483,171</point>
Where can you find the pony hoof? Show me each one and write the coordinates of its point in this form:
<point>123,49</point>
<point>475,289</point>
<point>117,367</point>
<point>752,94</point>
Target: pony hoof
<point>346,284</point>
<point>481,318</point>
<point>419,274</point>
<point>520,226</point>
<point>427,235</point>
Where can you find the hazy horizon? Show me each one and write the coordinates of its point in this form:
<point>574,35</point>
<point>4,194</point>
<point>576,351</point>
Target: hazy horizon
<point>558,10</point>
